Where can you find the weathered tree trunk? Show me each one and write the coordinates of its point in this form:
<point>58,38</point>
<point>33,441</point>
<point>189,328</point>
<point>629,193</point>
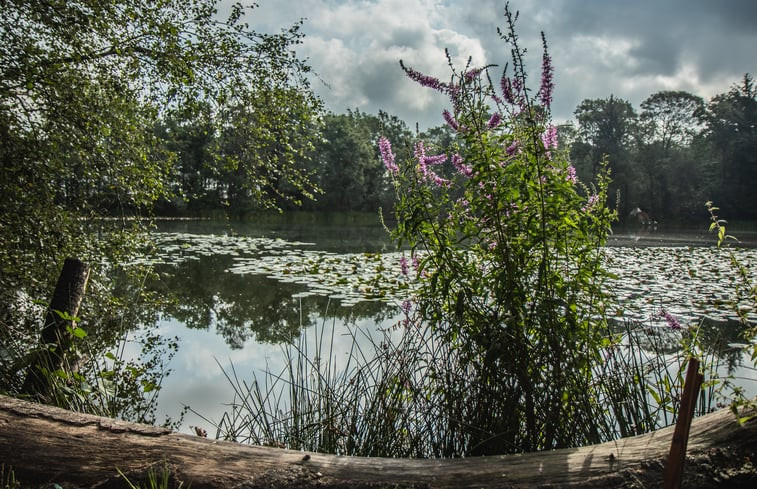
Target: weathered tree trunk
<point>55,340</point>
<point>45,444</point>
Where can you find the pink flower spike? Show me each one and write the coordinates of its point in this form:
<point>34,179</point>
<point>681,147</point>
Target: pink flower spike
<point>420,157</point>
<point>549,138</point>
<point>435,160</point>
<point>507,90</point>
<point>450,119</point>
<point>494,120</point>
<point>403,266</point>
<point>590,202</point>
<point>572,177</point>
<point>385,147</point>
<point>457,162</point>
<point>547,83</point>
<point>428,81</point>
<point>471,74</point>
<point>670,319</point>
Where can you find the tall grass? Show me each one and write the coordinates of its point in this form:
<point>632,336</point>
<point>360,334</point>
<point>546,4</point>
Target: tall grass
<point>405,392</point>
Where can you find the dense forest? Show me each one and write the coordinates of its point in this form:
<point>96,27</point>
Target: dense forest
<point>668,157</point>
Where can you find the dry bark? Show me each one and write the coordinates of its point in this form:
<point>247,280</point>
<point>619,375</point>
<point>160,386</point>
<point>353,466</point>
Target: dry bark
<point>50,445</point>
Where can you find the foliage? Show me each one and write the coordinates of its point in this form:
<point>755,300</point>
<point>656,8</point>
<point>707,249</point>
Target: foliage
<point>731,131</point>
<point>84,88</point>
<point>114,382</point>
<point>605,129</point>
<point>745,300</point>
<point>83,84</point>
<point>347,165</point>
<point>675,153</point>
<point>155,480</point>
<point>511,276</point>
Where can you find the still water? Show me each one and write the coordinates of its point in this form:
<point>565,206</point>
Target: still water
<point>243,290</point>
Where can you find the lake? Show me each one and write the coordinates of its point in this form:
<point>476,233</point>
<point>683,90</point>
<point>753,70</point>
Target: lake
<point>246,289</point>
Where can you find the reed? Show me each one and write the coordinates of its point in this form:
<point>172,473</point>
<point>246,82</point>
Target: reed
<point>405,392</point>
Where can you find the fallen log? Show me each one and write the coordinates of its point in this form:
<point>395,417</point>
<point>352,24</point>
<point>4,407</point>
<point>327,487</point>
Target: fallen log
<point>46,445</point>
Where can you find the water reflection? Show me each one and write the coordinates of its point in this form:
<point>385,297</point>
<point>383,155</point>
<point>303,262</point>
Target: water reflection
<point>224,304</point>
<point>248,307</point>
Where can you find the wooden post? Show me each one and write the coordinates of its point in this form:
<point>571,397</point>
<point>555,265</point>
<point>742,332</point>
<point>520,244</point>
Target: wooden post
<point>56,339</point>
<point>677,455</point>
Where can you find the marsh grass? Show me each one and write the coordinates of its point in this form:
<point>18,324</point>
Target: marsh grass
<point>8,478</point>
<point>405,392</point>
<point>641,378</point>
<point>361,402</point>
<point>155,478</point>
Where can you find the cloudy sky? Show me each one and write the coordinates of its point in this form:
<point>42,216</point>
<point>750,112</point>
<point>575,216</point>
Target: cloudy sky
<point>629,48</point>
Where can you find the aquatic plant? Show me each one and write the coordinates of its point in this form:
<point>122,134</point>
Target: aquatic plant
<point>512,276</point>
<point>505,345</point>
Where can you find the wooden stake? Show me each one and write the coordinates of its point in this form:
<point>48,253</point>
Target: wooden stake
<point>56,339</point>
<point>677,455</point>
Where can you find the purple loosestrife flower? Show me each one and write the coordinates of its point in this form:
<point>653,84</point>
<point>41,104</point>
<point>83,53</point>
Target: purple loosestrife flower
<point>403,266</point>
<point>572,177</point>
<point>547,84</point>
<point>424,162</point>
<point>457,162</point>
<point>494,120</point>
<point>507,90</point>
<point>512,149</point>
<point>385,147</point>
<point>518,84</point>
<point>420,157</point>
<point>430,81</point>
<point>590,202</point>
<point>670,319</point>
<point>435,160</point>
<point>549,138</point>
<point>439,181</point>
<point>450,119</point>
<point>471,74</point>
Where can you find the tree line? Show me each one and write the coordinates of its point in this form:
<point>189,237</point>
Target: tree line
<point>675,153</point>
<point>121,109</point>
<point>668,157</point>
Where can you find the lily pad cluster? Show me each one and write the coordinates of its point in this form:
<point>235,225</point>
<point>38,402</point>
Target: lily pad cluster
<point>687,282</point>
<point>349,278</point>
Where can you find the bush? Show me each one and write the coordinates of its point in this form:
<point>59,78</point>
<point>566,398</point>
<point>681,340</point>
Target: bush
<point>511,274</point>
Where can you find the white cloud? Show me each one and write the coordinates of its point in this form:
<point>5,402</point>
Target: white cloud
<point>630,49</point>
